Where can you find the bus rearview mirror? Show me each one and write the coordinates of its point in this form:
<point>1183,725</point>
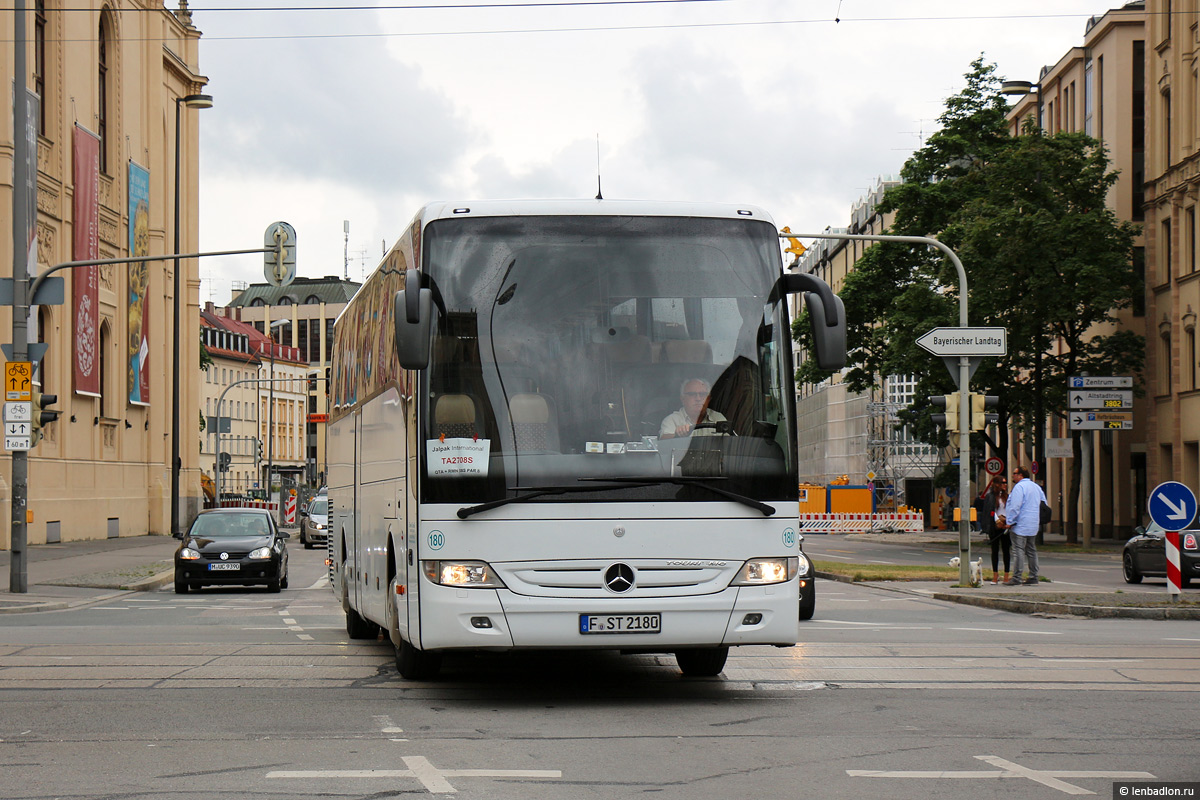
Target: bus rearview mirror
<point>412,339</point>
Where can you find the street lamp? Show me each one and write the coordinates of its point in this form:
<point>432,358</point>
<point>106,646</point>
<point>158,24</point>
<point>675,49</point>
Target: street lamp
<point>191,101</point>
<point>271,404</point>
<point>1022,89</point>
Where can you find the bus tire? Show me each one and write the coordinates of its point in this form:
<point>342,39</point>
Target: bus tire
<point>359,628</point>
<point>702,662</point>
<point>415,664</point>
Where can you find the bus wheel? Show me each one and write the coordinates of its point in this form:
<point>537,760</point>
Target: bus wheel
<point>359,628</point>
<point>417,665</point>
<point>702,662</point>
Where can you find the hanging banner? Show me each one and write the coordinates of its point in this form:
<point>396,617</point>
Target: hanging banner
<point>138,377</point>
<point>85,295</point>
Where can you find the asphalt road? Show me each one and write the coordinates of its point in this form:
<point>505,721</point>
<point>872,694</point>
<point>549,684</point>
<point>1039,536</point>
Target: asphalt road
<point>231,693</point>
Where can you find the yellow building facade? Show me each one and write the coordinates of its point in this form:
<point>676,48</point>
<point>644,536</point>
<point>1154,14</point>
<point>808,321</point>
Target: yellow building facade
<point>1172,195</point>
<point>109,76</point>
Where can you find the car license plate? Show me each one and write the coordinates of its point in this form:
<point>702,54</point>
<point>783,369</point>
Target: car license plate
<point>224,565</point>
<point>620,623</point>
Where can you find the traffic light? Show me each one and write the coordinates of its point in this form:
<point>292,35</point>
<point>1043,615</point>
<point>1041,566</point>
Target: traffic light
<point>328,372</point>
<point>42,414</point>
<point>948,418</point>
<point>980,418</point>
<point>259,449</point>
<point>312,383</point>
<point>225,460</point>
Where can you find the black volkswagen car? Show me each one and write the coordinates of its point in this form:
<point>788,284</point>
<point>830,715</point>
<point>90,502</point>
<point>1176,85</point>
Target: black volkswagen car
<point>232,547</point>
<point>1145,555</point>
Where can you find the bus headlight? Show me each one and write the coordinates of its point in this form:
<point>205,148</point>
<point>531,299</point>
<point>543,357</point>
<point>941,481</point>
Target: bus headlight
<point>762,571</point>
<point>466,574</point>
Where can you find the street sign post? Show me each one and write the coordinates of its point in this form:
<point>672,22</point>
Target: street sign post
<point>1100,398</point>
<point>1172,506</point>
<point>993,466</point>
<point>1100,382</point>
<point>965,341</point>
<point>1100,420</point>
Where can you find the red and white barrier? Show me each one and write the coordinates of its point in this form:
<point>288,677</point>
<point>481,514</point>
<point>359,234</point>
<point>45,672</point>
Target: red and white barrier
<point>1173,575</point>
<point>862,523</point>
<point>289,510</point>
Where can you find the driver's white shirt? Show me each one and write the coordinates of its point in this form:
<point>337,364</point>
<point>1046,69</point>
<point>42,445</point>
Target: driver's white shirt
<point>680,417</point>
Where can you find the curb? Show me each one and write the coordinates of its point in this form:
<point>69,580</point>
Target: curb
<point>153,583</point>
<point>1033,606</point>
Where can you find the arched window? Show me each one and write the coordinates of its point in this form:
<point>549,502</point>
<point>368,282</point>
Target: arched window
<point>285,301</point>
<point>312,300</point>
<point>107,408</point>
<point>106,51</point>
<point>258,301</point>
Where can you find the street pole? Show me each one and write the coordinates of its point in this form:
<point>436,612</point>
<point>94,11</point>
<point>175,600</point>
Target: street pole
<point>964,385</point>
<point>192,101</point>
<point>18,575</point>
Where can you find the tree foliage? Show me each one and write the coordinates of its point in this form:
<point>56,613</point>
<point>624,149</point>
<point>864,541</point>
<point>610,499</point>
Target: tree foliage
<point>1044,255</point>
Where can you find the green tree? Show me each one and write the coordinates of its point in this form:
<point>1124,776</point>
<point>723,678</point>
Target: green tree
<point>1045,258</point>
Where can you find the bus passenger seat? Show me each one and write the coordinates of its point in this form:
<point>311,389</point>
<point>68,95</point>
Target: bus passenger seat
<point>535,423</point>
<point>454,416</point>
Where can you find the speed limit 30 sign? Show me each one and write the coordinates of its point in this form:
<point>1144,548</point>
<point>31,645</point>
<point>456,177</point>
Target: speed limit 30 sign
<point>994,466</point>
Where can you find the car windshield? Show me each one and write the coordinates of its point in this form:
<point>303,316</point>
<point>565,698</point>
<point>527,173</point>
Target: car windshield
<point>319,507</point>
<point>217,526</point>
<point>575,349</point>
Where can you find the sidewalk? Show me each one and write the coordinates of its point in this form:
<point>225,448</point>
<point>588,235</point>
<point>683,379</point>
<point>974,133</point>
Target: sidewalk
<point>71,574</point>
<point>1046,597</point>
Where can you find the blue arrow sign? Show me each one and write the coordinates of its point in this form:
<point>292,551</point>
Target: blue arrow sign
<point>1172,506</point>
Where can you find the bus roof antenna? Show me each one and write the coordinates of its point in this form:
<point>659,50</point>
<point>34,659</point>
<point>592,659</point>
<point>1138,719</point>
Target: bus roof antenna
<point>599,194</point>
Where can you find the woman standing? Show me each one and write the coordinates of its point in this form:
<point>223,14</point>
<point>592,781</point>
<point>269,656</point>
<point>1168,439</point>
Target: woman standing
<point>994,500</point>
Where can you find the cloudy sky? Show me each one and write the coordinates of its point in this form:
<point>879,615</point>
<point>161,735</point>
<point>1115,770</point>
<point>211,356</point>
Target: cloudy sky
<point>325,114</point>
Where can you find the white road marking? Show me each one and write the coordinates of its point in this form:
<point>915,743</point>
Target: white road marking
<point>1009,630</point>
<point>287,621</point>
<point>432,778</point>
<point>1178,639</point>
<point>320,584</point>
<point>1007,769</point>
<point>304,636</point>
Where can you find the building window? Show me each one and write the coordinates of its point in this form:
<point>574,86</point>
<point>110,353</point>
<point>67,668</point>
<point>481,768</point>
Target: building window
<point>103,87</point>
<point>1138,123</point>
<point>1139,290</point>
<point>1189,220</point>
<point>1190,355</point>
<point>1165,373</point>
<point>1164,265</point>
<point>1089,97</point>
<point>39,61</point>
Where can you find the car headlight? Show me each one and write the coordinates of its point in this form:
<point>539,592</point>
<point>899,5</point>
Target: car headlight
<point>318,526</point>
<point>762,571</point>
<point>261,552</point>
<point>189,554</point>
<point>805,565</point>
<point>466,574</point>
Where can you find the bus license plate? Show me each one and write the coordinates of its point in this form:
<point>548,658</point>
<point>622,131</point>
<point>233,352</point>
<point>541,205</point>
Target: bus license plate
<point>620,623</point>
<point>224,565</point>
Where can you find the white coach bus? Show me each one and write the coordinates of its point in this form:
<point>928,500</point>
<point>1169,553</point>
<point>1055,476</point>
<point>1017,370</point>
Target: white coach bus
<point>572,425</point>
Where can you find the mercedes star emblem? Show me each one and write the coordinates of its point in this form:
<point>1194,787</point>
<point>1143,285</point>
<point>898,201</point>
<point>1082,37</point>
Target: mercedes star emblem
<point>618,578</point>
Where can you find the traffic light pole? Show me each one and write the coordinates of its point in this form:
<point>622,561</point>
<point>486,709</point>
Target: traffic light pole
<point>217,422</point>
<point>22,176</point>
<point>964,386</point>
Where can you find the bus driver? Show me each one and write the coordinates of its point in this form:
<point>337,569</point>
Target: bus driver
<point>694,396</point>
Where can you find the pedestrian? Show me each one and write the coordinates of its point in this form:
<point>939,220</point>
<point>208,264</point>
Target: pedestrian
<point>992,504</point>
<point>1022,514</point>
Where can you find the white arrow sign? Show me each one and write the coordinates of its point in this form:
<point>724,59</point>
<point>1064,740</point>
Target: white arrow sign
<point>965,341</point>
<point>1176,513</point>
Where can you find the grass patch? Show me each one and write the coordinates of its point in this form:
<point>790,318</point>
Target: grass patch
<point>887,572</point>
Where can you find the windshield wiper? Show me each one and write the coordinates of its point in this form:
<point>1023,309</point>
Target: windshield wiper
<point>531,492</point>
<point>691,481</point>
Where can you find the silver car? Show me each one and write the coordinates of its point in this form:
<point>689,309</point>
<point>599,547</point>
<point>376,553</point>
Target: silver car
<point>314,522</point>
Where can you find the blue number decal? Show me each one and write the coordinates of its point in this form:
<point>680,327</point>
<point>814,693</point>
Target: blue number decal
<point>437,540</point>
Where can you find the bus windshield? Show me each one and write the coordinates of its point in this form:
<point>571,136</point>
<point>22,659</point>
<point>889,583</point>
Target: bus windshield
<point>586,351</point>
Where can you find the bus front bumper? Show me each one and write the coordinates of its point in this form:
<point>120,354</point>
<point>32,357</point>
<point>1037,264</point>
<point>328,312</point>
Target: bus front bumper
<point>499,619</point>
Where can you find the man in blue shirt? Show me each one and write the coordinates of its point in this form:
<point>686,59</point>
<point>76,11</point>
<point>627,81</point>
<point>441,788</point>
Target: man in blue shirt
<point>1023,516</point>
